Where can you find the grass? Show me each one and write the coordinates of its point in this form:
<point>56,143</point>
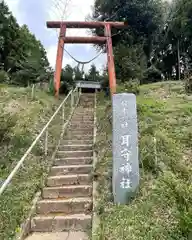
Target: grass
<point>21,120</point>
<point>162,208</point>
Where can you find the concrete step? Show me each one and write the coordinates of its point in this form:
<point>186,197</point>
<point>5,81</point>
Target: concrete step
<point>74,136</point>
<point>70,169</point>
<point>73,154</point>
<point>67,191</point>
<point>86,122</point>
<point>75,179</point>
<point>56,223</point>
<point>75,147</point>
<point>87,111</point>
<point>83,116</point>
<point>85,131</point>
<point>66,206</point>
<point>81,126</point>
<point>68,235</point>
<point>73,161</point>
<point>76,142</point>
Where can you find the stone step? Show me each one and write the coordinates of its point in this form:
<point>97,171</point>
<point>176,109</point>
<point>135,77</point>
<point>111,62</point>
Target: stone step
<point>73,161</point>
<point>75,179</point>
<point>81,126</point>
<point>67,191</point>
<point>84,116</point>
<point>82,120</point>
<point>83,110</point>
<point>54,223</point>
<point>74,136</point>
<point>66,206</point>
<point>76,142</point>
<point>85,122</point>
<point>84,113</point>
<point>73,147</point>
<point>73,154</point>
<point>85,131</point>
<point>70,169</point>
<point>67,235</point>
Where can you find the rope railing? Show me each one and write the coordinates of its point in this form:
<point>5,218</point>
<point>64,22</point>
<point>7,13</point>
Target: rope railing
<point>73,96</point>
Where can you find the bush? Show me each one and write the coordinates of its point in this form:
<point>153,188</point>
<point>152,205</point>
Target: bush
<point>51,86</point>
<point>4,77</point>
<point>151,75</point>
<point>188,85</point>
<point>7,123</point>
<point>131,86</point>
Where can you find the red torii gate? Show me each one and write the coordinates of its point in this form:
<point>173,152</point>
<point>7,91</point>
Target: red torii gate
<point>94,40</point>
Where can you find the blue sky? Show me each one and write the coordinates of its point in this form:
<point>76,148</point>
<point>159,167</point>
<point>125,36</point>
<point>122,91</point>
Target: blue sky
<point>35,13</point>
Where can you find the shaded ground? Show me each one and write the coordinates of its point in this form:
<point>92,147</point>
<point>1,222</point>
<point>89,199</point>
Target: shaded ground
<point>162,208</point>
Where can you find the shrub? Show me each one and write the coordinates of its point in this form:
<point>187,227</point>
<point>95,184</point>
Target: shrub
<point>188,85</point>
<point>51,86</point>
<point>131,86</point>
<point>4,77</point>
<point>151,75</point>
<point>7,122</point>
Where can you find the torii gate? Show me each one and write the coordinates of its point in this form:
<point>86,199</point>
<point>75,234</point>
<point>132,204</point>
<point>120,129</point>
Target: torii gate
<point>94,40</point>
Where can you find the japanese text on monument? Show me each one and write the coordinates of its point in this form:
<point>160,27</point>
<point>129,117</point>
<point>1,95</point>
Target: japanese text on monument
<point>126,168</point>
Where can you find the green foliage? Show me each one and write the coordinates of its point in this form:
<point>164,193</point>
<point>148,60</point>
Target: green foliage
<point>51,86</point>
<point>132,86</point>
<point>130,62</point>
<point>78,75</point>
<point>188,85</point>
<point>93,74</point>
<point>22,56</point>
<point>7,123</point>
<point>4,77</point>
<point>67,79</point>
<point>151,75</point>
<point>133,47</point>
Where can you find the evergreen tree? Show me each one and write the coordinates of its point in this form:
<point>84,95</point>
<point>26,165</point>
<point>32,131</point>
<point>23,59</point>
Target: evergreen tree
<point>22,56</point>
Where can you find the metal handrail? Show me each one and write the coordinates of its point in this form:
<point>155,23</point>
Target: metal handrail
<point>19,164</point>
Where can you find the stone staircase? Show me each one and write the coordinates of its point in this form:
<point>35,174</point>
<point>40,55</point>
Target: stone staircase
<point>65,208</point>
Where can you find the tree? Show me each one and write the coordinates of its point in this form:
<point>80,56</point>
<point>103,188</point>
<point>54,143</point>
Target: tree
<point>93,74</point>
<point>173,53</point>
<point>78,75</point>
<point>22,56</point>
<point>67,79</point>
<point>144,17</point>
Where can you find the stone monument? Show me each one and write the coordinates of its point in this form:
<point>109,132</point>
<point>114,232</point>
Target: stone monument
<point>125,147</point>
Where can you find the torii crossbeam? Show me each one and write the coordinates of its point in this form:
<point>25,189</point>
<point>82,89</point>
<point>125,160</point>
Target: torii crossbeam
<point>94,40</point>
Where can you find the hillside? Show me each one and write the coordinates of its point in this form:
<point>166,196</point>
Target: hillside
<point>162,208</point>
<point>21,119</point>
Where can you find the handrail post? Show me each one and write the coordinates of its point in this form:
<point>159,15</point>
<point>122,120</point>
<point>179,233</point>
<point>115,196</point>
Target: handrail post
<point>63,117</point>
<point>72,100</point>
<point>46,142</point>
<point>63,113</point>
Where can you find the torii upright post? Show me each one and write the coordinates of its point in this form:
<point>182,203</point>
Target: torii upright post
<point>95,40</point>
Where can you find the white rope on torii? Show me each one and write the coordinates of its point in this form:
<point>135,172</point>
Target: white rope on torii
<point>79,63</point>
